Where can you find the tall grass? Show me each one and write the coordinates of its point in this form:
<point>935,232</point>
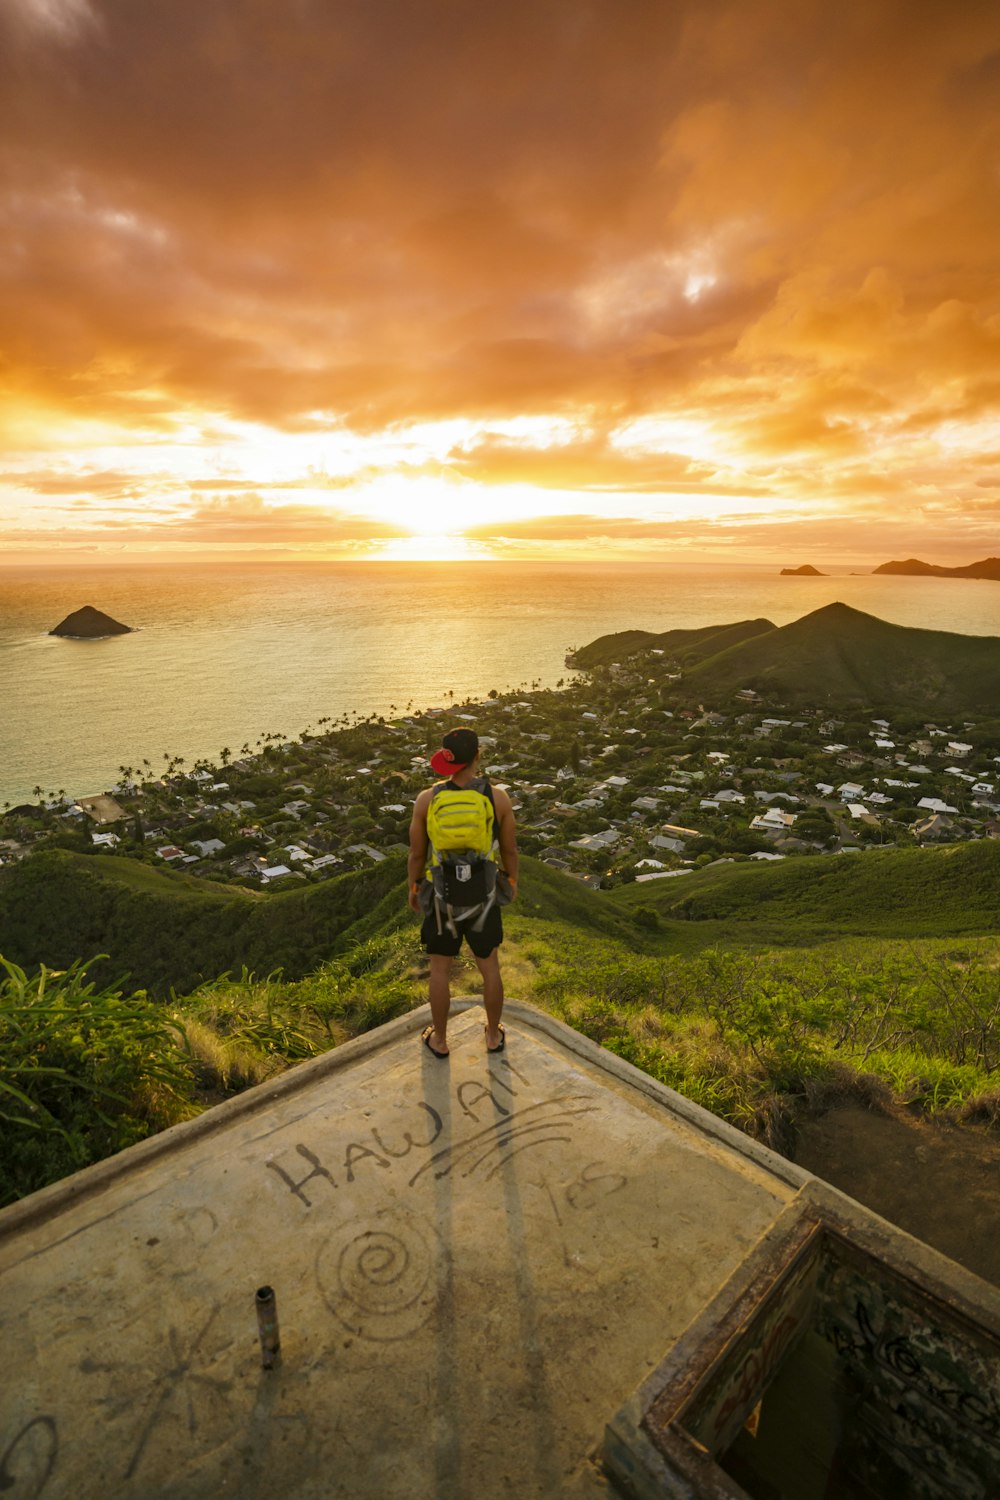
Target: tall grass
<point>757,1037</point>
<point>84,1071</point>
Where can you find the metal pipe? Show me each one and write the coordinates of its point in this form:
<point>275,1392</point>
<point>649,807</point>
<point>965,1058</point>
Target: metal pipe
<point>267,1326</point>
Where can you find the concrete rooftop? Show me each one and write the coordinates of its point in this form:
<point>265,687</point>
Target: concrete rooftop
<point>475,1262</point>
<point>478,1263</point>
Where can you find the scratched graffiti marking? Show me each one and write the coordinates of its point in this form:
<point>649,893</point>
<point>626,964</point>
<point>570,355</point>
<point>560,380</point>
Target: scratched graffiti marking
<point>179,1385</point>
<point>387,1147</point>
<point>29,1459</point>
<point>382,1282</point>
<point>541,1124</point>
<point>586,1191</point>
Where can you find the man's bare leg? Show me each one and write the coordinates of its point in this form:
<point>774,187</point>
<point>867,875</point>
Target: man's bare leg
<point>489,968</point>
<point>440,997</point>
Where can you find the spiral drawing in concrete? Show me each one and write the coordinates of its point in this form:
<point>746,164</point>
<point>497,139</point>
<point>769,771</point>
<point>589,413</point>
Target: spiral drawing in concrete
<point>381,1282</point>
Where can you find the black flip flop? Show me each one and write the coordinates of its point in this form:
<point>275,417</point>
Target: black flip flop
<point>426,1034</point>
<point>503,1039</point>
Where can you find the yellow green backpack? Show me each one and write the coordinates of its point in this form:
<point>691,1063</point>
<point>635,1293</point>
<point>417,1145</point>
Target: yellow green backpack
<point>461,852</point>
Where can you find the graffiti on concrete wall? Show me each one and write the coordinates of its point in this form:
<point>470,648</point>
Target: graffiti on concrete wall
<point>926,1400</point>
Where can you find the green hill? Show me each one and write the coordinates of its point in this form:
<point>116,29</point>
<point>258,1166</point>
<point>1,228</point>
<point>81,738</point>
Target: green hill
<point>165,930</point>
<point>837,655</point>
<point>834,657</point>
<point>893,893</point>
<point>680,645</point>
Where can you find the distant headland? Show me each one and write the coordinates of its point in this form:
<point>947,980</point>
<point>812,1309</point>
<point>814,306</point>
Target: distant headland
<point>912,568</point>
<point>806,571</point>
<point>90,624</point>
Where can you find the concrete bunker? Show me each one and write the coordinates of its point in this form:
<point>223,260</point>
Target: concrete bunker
<point>474,1265</point>
<point>837,1363</point>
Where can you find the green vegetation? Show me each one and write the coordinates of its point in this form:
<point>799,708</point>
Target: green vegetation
<point>756,991</point>
<point>85,1072</point>
<point>166,931</point>
<point>890,893</point>
<point>756,1037</point>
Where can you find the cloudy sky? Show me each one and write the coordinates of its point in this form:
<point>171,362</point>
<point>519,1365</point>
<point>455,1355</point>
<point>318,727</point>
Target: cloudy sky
<point>553,278</point>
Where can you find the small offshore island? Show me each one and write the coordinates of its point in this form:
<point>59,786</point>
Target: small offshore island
<point>806,571</point>
<point>90,624</point>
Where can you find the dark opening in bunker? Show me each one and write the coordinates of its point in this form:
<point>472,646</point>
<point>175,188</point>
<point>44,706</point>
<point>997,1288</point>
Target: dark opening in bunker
<point>847,1381</point>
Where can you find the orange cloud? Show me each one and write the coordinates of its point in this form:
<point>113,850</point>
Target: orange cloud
<point>779,219</point>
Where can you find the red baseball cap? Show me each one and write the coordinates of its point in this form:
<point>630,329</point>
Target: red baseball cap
<point>459,749</point>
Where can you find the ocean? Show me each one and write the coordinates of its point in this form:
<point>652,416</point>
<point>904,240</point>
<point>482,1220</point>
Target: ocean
<point>225,653</point>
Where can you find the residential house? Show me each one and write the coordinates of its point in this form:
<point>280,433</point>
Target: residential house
<point>937,826</point>
<point>775,820</point>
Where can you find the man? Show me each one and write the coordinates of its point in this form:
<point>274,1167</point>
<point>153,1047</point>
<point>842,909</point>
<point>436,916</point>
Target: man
<point>459,761</point>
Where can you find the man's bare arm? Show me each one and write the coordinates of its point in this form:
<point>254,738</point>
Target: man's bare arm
<point>416,863</point>
<point>506,833</point>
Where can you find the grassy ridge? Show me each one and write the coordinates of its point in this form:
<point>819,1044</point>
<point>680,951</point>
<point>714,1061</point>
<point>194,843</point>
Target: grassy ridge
<point>164,930</point>
<point>914,893</point>
<point>681,645</point>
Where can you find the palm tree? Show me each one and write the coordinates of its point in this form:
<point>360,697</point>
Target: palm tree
<point>225,755</point>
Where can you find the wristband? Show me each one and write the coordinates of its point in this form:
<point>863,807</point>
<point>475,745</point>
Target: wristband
<point>414,888</point>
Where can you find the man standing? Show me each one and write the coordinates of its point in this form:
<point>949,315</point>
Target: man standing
<point>458,830</point>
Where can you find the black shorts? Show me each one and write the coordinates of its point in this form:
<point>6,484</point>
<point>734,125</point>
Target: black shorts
<point>482,943</point>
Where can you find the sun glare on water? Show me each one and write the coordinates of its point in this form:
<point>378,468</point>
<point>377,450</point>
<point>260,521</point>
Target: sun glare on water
<point>431,548</point>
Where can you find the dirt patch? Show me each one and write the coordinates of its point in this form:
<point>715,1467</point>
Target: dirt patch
<point>938,1182</point>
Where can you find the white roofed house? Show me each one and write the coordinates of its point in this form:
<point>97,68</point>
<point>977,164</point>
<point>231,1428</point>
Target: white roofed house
<point>935,805</point>
<point>850,791</point>
<point>775,820</point>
